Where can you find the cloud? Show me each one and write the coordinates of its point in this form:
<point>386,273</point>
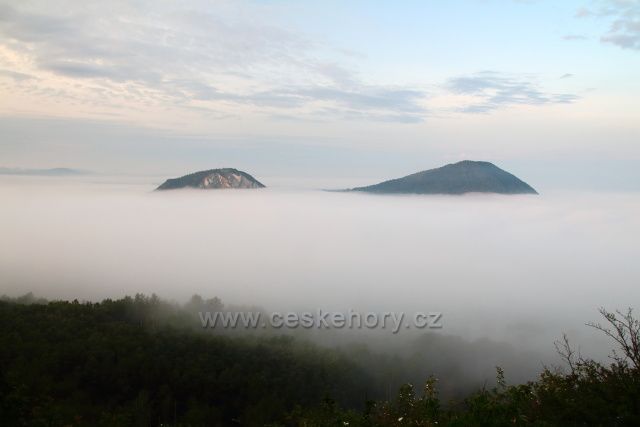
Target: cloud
<point>194,54</point>
<point>493,90</point>
<point>15,76</point>
<point>107,236</point>
<point>573,37</point>
<point>359,102</point>
<point>624,28</point>
<point>566,76</point>
<point>215,59</point>
<point>583,12</point>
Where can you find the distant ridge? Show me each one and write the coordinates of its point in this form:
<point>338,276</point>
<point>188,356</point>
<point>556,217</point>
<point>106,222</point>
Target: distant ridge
<point>225,178</point>
<point>42,172</point>
<point>467,176</point>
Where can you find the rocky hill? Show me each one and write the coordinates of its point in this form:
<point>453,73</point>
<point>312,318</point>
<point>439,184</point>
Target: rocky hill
<point>227,178</point>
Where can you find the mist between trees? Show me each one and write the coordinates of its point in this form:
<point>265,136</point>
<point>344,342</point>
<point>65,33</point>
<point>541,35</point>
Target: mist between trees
<point>143,360</point>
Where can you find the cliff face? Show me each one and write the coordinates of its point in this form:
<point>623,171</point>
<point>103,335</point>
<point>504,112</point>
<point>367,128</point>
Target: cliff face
<point>458,178</point>
<point>226,178</point>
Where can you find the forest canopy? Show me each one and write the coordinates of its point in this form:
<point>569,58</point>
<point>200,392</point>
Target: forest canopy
<point>140,361</point>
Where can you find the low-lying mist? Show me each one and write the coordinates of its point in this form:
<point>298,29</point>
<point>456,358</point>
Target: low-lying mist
<point>515,269</point>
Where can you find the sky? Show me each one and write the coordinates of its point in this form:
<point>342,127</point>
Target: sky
<point>364,89</point>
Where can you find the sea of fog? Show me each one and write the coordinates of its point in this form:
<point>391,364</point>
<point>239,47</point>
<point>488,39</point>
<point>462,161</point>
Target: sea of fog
<point>520,269</point>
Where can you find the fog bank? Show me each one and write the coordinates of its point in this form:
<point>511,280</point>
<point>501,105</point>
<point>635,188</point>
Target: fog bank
<point>517,268</point>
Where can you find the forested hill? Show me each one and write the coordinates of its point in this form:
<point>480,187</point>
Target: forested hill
<point>141,362</point>
<point>467,176</point>
<point>109,363</point>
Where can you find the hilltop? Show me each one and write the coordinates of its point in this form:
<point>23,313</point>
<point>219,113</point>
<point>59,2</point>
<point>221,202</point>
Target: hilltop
<point>467,176</point>
<point>226,178</point>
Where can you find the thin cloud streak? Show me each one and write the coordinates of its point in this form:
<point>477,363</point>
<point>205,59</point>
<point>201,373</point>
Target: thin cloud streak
<point>494,91</point>
<point>574,37</point>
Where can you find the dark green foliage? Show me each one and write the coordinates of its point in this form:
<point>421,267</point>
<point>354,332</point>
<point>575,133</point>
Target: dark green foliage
<point>590,394</point>
<point>595,396</point>
<point>141,362</point>
<point>113,363</point>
